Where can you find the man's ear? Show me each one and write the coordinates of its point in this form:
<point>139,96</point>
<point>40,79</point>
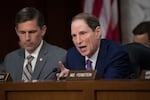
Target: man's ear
<point>98,32</point>
<point>43,29</point>
<point>16,31</point>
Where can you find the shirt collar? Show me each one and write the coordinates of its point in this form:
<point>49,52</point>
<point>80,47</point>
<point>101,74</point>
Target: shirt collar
<point>36,52</point>
<point>94,57</point>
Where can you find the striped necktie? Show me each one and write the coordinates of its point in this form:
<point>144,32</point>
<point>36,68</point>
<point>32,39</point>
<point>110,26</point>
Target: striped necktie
<point>27,70</point>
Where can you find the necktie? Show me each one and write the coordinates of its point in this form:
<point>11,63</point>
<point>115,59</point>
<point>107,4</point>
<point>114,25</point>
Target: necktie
<point>27,70</point>
<point>89,64</point>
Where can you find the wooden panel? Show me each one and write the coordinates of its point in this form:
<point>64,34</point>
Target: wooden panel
<point>122,95</point>
<point>45,95</point>
<point>76,90</point>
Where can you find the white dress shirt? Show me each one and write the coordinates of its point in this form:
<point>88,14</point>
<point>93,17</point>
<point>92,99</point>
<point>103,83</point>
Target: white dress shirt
<point>34,54</point>
<point>93,59</point>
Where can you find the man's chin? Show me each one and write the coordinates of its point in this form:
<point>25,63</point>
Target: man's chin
<point>29,49</point>
<point>83,54</point>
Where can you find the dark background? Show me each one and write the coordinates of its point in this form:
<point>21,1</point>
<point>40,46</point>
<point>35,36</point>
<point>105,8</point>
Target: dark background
<point>58,14</point>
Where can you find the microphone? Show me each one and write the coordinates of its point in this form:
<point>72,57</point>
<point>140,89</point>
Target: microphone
<point>55,70</point>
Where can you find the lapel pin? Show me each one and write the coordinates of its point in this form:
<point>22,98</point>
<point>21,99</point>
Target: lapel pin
<point>41,59</point>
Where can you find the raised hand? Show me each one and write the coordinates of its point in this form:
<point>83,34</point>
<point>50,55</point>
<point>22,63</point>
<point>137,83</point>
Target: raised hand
<point>63,71</point>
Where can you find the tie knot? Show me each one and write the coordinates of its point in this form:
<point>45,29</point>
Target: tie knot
<point>30,58</point>
<point>89,64</point>
<point>89,61</point>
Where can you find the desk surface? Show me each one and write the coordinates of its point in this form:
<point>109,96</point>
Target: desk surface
<point>76,90</point>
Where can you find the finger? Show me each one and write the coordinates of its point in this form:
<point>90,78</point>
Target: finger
<point>57,75</point>
<point>61,65</point>
<point>62,74</point>
<point>66,74</point>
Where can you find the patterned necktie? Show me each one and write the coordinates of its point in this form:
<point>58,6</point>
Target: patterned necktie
<point>27,70</point>
<point>89,65</point>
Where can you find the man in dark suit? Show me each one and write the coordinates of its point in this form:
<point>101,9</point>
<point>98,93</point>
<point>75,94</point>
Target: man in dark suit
<point>139,56</point>
<point>108,58</point>
<point>139,50</point>
<point>30,29</point>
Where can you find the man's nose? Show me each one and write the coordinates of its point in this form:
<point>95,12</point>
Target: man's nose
<point>27,36</point>
<point>78,39</point>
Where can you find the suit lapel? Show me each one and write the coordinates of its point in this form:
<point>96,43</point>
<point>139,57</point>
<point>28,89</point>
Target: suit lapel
<point>39,66</point>
<point>101,58</point>
<point>19,64</point>
<point>78,62</point>
<point>81,63</point>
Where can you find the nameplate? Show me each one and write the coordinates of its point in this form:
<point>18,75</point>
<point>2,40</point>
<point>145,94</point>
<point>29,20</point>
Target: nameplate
<point>145,74</point>
<point>82,75</point>
<point>5,77</point>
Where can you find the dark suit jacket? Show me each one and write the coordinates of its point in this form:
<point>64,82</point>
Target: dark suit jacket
<point>112,61</point>
<point>139,56</point>
<point>44,70</point>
